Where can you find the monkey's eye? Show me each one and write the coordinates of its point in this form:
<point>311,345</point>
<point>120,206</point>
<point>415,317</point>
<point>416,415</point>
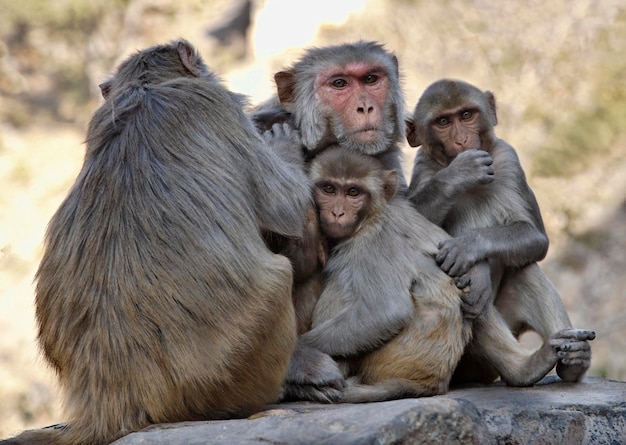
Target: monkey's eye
<point>339,83</point>
<point>442,121</point>
<point>328,189</point>
<point>466,115</point>
<point>353,191</point>
<point>371,78</point>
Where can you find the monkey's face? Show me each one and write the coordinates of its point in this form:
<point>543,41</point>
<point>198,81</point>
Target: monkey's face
<point>354,98</point>
<point>341,207</point>
<point>457,131</point>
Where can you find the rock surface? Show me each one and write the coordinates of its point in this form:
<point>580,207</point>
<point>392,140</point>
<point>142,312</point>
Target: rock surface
<point>551,412</point>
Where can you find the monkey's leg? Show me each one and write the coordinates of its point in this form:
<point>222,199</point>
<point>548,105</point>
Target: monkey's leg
<point>527,299</point>
<point>494,342</point>
<point>391,389</point>
<point>420,360</point>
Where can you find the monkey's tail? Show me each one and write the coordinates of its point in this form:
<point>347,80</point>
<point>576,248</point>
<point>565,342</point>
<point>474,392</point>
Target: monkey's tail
<point>391,389</point>
<point>60,434</point>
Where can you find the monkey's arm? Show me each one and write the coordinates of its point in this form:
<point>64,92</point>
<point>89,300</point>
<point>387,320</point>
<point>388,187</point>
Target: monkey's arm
<point>434,192</point>
<point>281,188</point>
<point>509,228</point>
<point>514,245</point>
<point>478,289</point>
<point>347,323</point>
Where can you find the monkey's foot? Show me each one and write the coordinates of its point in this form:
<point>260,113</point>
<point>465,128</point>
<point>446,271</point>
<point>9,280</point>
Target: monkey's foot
<point>573,352</point>
<point>323,394</point>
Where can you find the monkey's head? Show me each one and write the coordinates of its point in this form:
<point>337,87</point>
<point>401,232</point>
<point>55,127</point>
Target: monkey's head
<point>349,190</point>
<point>450,117</point>
<point>157,64</point>
<point>346,94</point>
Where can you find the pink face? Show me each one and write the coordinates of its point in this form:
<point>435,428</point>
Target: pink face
<point>356,93</point>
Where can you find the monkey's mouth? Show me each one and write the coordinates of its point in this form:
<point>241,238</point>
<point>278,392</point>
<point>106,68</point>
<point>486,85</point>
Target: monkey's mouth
<point>366,134</point>
<point>334,231</point>
<point>367,130</point>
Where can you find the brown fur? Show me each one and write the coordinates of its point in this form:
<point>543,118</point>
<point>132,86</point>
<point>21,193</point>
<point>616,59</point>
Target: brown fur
<point>157,299</point>
<point>307,98</point>
<point>398,324</point>
<point>472,184</point>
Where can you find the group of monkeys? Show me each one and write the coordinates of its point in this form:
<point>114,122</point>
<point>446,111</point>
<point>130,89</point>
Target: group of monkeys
<point>211,259</point>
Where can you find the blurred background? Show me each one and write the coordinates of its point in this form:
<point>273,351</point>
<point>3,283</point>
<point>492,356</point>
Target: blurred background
<point>558,70</point>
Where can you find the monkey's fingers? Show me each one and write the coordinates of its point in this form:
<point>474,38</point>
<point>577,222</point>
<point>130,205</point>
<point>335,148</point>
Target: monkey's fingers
<point>574,334</point>
<point>444,259</point>
<point>463,281</point>
<point>573,346</point>
<point>574,357</point>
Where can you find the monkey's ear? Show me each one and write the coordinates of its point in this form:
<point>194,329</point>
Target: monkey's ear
<point>105,89</point>
<point>491,100</point>
<point>391,184</point>
<point>396,64</point>
<point>411,133</point>
<point>286,86</point>
<point>190,59</point>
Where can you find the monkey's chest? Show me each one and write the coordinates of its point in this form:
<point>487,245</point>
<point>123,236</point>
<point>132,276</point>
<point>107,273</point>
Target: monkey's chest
<point>473,211</point>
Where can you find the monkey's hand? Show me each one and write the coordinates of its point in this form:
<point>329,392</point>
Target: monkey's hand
<point>468,170</point>
<point>285,141</point>
<point>478,291</point>
<point>314,376</point>
<point>457,255</point>
<point>573,351</point>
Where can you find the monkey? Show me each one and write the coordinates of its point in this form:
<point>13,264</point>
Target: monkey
<point>397,324</point>
<point>157,299</point>
<point>471,183</point>
<point>312,374</point>
<point>348,95</point>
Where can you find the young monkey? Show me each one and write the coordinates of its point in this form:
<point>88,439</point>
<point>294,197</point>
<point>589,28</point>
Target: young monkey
<point>397,323</point>
<point>471,183</point>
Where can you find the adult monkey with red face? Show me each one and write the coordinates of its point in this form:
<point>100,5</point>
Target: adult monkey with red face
<point>471,183</point>
<point>347,95</point>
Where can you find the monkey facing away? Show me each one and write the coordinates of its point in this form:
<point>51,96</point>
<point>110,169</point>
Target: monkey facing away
<point>398,323</point>
<point>157,299</point>
<point>471,183</point>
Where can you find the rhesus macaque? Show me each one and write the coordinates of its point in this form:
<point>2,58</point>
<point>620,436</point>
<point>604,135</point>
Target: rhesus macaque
<point>471,183</point>
<point>397,322</point>
<point>346,94</point>
<point>157,299</point>
<point>312,374</point>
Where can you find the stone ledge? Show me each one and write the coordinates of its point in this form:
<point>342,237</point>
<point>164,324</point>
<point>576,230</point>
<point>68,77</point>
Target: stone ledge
<point>551,412</point>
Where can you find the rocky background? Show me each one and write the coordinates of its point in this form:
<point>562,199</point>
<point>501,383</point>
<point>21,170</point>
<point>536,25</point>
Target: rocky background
<point>558,70</point>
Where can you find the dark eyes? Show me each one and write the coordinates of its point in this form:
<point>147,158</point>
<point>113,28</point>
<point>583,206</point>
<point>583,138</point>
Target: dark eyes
<point>464,115</point>
<point>330,189</point>
<point>370,78</point>
<point>367,79</point>
<point>442,121</point>
<point>353,191</point>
